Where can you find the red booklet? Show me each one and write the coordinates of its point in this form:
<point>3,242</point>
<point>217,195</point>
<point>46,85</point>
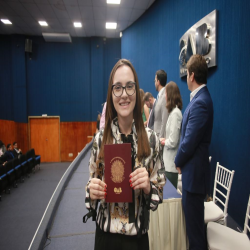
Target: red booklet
<point>118,167</point>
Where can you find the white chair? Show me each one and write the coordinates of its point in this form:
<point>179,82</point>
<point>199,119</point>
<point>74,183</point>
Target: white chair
<point>222,182</point>
<point>220,237</point>
<point>179,184</point>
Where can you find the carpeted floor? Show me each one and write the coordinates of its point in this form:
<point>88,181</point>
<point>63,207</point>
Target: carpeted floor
<point>22,210</point>
<point>68,231</point>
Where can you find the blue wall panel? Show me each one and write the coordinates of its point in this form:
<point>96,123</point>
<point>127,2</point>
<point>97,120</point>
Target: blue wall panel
<point>152,43</point>
<point>112,53</point>
<point>18,73</point>
<point>97,75</point>
<point>59,79</point>
<point>65,79</point>
<point>6,101</point>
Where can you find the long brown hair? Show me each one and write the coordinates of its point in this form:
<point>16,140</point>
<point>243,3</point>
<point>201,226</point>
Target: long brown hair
<point>142,99</point>
<point>173,96</point>
<point>143,144</point>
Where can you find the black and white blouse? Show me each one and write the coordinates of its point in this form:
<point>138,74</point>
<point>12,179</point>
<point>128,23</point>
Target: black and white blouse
<point>115,217</point>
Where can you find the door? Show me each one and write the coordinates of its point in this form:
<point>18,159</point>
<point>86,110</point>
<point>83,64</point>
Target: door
<point>44,137</point>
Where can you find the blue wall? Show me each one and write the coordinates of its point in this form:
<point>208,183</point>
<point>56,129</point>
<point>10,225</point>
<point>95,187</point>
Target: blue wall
<point>5,78</point>
<point>152,43</point>
<point>65,79</point>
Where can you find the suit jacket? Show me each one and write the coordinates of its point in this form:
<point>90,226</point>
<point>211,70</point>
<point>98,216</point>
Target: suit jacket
<point>193,153</point>
<point>15,153</point>
<point>9,155</point>
<point>160,114</point>
<point>173,134</point>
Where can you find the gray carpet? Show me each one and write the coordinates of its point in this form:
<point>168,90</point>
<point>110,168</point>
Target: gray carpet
<point>22,210</point>
<point>68,231</point>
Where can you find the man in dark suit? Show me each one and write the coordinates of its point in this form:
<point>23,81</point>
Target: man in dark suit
<point>149,100</point>
<point>192,159</point>
<point>9,153</point>
<point>16,151</point>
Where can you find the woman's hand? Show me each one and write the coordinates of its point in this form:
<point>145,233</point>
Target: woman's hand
<point>139,179</point>
<point>97,189</point>
<point>162,140</point>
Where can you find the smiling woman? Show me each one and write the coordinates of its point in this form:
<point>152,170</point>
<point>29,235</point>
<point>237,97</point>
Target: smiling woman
<point>124,101</point>
<point>124,225</point>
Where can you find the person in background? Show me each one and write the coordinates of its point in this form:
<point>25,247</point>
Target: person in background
<point>192,159</point>
<point>160,114</point>
<point>2,146</point>
<point>9,153</point>
<point>102,120</point>
<point>16,151</point>
<point>145,109</point>
<point>123,226</point>
<point>173,131</point>
<point>3,157</point>
<point>149,100</point>
<point>97,123</point>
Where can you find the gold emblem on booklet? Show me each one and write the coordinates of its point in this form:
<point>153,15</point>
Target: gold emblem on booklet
<point>117,170</point>
<point>118,190</point>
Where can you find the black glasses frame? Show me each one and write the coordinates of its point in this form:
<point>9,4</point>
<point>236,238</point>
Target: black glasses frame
<point>122,89</point>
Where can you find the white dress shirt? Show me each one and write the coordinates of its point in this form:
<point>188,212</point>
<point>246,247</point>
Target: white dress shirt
<point>192,94</point>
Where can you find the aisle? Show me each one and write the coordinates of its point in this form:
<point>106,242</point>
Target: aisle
<point>21,211</point>
<point>68,230</point>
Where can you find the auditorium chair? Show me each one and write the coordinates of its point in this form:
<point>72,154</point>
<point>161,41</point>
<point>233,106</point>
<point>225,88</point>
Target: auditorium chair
<point>24,166</point>
<point>10,172</point>
<point>222,187</point>
<point>37,158</point>
<point>222,237</point>
<point>3,180</point>
<point>18,171</point>
<point>32,159</point>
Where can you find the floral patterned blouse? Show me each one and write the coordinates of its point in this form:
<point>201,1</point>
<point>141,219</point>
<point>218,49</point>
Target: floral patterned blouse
<point>115,217</point>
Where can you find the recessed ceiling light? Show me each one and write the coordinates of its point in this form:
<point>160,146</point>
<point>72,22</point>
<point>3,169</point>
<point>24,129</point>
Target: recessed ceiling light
<point>113,1</point>
<point>111,26</point>
<point>77,24</point>
<point>6,21</point>
<point>43,23</point>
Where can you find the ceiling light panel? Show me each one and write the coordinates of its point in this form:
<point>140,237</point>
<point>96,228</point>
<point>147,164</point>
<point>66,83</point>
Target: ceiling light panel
<point>43,23</point>
<point>113,1</point>
<point>77,24</point>
<point>111,26</point>
<point>6,21</point>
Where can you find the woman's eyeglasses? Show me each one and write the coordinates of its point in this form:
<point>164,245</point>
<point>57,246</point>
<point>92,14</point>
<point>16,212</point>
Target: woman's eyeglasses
<point>118,89</point>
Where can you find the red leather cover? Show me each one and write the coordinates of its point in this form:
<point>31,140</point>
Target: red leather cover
<point>117,170</point>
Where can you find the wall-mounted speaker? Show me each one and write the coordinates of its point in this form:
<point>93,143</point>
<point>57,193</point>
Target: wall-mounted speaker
<point>28,45</point>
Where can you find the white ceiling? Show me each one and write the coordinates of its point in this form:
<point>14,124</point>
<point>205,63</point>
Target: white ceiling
<point>60,15</point>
